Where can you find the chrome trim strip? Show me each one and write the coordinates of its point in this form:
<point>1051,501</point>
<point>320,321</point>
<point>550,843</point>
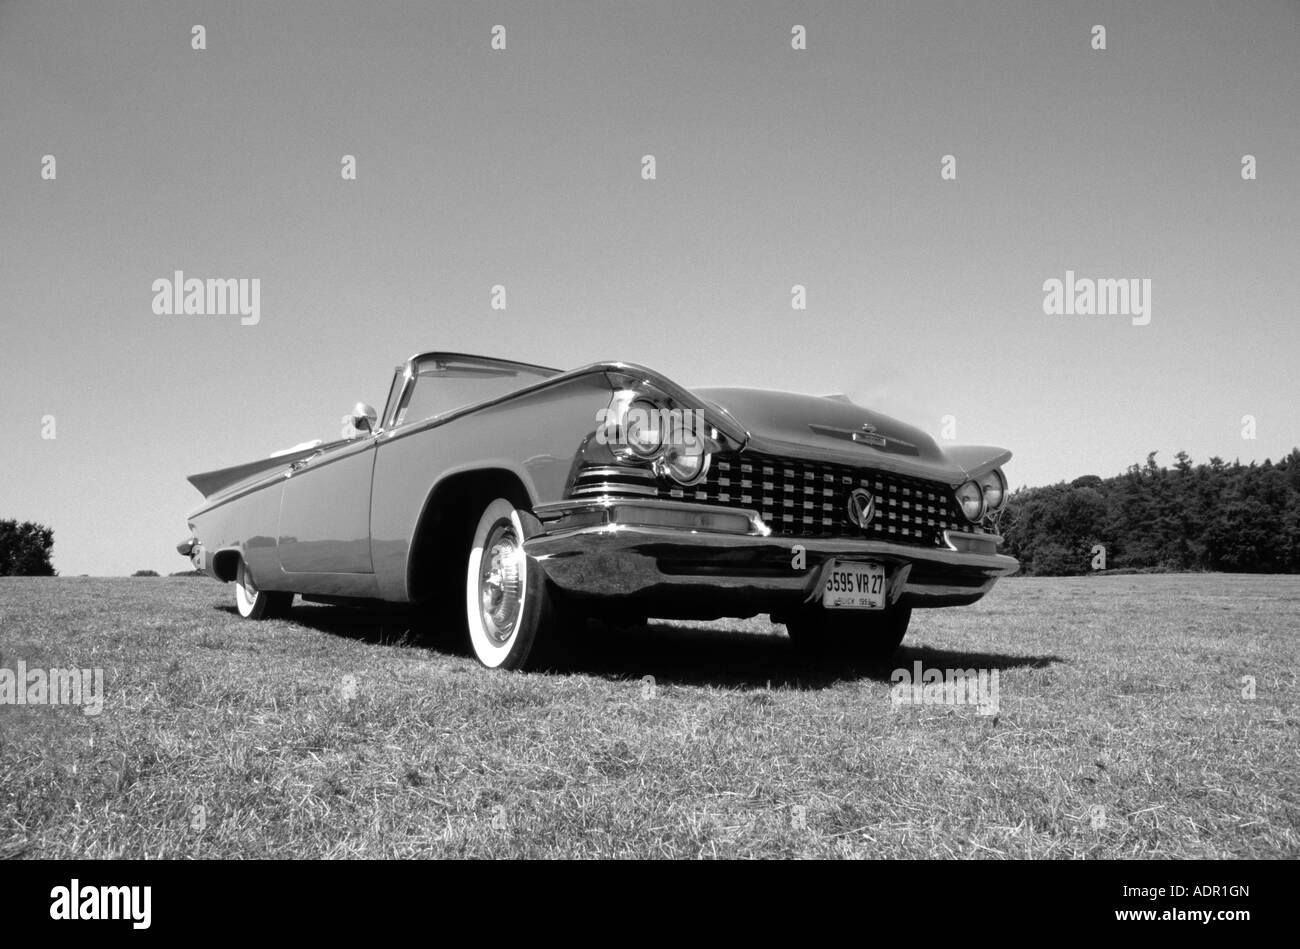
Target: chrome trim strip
<point>616,471</point>
<point>950,535</point>
<point>606,508</point>
<point>614,487</point>
<point>553,510</point>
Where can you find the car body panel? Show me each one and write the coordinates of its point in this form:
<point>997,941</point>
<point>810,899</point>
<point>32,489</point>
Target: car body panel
<point>324,523</point>
<point>533,434</point>
<point>224,481</point>
<point>343,519</point>
<point>813,421</point>
<point>834,430</point>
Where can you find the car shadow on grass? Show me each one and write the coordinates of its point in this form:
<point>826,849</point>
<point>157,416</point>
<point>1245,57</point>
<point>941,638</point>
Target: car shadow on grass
<point>712,655</point>
<point>702,654</point>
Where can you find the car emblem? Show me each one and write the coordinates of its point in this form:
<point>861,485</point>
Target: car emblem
<point>866,435</point>
<point>862,507</point>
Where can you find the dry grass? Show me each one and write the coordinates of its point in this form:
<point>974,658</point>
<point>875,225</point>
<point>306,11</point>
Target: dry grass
<point>1123,692</point>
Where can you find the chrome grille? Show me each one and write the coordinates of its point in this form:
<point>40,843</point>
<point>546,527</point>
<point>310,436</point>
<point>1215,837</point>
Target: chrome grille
<point>810,499</point>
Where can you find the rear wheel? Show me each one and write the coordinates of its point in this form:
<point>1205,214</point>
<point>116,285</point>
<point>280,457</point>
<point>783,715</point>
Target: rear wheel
<point>508,605</point>
<point>865,634</point>
<point>258,604</point>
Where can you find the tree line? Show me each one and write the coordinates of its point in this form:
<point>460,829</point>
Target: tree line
<point>1233,518</point>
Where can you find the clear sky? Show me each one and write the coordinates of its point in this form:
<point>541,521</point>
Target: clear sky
<point>522,167</point>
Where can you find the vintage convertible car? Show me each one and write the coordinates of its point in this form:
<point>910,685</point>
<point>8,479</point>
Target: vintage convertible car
<point>515,499</point>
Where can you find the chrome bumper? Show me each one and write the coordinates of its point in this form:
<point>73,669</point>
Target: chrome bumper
<point>703,561</point>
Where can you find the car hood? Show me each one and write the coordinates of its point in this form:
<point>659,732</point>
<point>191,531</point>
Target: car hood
<point>832,429</point>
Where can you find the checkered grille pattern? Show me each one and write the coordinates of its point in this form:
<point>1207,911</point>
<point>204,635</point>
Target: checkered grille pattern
<point>810,499</point>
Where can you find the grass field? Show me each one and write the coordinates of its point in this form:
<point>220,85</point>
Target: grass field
<point>1122,731</point>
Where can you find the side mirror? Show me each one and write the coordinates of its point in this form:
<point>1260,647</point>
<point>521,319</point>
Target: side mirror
<point>364,417</point>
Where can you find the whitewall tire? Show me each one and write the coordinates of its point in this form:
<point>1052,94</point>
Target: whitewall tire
<point>507,603</point>
<point>258,604</point>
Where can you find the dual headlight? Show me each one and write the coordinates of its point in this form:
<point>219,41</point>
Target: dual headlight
<point>673,440</point>
<point>984,495</point>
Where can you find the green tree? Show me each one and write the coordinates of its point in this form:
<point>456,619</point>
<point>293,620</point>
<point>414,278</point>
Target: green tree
<point>1215,516</point>
<point>25,549</point>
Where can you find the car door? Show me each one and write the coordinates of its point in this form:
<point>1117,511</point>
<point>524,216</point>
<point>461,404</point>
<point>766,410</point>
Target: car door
<point>325,511</point>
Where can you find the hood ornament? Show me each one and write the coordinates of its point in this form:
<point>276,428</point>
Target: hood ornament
<point>865,434</point>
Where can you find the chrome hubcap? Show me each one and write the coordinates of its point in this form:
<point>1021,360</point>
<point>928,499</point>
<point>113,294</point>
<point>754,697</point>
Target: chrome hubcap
<point>500,582</point>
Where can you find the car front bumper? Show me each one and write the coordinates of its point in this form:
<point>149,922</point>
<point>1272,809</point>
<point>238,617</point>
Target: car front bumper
<point>667,558</point>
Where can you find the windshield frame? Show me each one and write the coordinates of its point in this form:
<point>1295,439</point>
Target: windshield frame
<point>399,396</point>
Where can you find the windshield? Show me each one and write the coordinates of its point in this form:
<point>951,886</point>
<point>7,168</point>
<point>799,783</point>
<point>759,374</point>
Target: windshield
<point>445,383</point>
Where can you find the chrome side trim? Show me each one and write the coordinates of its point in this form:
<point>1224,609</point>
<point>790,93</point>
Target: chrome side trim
<point>603,488</point>
<point>598,480</point>
<point>972,543</point>
<point>617,471</point>
<point>573,514</point>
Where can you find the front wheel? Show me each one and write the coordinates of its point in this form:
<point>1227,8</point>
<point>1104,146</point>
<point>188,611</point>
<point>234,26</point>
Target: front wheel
<point>508,606</point>
<point>866,634</point>
<point>258,604</point>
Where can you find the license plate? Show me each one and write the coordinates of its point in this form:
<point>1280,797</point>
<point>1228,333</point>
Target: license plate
<point>854,586</point>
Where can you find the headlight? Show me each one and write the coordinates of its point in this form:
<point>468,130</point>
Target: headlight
<point>642,429</point>
<point>971,498</point>
<point>683,466</point>
<point>994,486</point>
<point>684,457</point>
